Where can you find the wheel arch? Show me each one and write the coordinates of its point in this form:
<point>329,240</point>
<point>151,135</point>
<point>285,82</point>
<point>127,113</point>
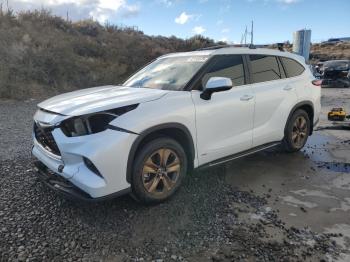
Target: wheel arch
<point>308,107</point>
<point>177,131</point>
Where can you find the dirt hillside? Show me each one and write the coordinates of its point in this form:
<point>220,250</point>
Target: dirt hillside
<point>42,55</point>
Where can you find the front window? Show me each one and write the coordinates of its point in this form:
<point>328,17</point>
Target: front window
<point>230,66</point>
<point>169,73</point>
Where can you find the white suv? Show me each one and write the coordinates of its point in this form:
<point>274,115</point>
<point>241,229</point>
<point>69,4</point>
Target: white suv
<point>182,111</point>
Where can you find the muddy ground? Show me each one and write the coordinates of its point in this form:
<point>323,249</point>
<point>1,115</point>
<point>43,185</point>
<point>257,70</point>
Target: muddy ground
<point>270,206</point>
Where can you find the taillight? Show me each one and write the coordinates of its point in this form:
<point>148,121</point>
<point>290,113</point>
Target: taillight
<point>317,82</point>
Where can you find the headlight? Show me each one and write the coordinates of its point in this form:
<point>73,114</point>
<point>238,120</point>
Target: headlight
<point>92,123</point>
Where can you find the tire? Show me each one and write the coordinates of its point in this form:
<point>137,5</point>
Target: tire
<point>297,131</point>
<point>152,182</point>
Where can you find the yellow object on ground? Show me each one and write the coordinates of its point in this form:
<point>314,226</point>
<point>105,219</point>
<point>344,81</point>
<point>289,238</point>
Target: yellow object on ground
<point>337,114</point>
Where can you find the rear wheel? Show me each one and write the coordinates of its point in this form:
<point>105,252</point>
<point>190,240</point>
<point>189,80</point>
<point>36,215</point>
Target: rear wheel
<point>159,168</point>
<point>297,131</point>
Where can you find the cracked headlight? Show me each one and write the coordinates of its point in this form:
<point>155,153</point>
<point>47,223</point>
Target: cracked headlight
<point>92,123</point>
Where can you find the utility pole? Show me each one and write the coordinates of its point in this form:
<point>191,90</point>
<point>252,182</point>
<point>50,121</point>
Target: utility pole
<point>252,34</point>
<point>245,35</point>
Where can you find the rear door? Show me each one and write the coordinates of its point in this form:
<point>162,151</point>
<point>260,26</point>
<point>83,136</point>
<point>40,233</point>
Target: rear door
<point>224,123</point>
<point>274,97</point>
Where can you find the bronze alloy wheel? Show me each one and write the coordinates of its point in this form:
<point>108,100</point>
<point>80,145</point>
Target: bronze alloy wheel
<point>161,171</point>
<point>299,132</point>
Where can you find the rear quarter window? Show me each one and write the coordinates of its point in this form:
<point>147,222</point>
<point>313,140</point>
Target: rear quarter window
<point>292,67</point>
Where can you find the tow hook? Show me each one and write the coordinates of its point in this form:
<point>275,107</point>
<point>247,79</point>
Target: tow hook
<point>60,168</point>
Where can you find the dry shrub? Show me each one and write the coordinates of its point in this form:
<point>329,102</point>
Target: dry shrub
<point>42,54</point>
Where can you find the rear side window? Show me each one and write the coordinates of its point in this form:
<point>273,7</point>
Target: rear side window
<point>230,66</point>
<point>265,68</point>
<point>292,67</point>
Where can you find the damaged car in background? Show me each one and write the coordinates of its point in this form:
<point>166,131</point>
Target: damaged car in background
<point>335,73</point>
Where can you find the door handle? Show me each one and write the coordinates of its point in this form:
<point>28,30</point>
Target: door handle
<point>246,97</point>
<point>287,87</point>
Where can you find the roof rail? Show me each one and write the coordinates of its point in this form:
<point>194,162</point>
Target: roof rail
<point>212,47</point>
<point>251,46</point>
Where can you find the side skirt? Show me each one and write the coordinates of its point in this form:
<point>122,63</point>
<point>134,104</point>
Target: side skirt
<point>239,155</point>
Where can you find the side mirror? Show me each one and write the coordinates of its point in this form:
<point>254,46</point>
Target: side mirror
<point>216,84</point>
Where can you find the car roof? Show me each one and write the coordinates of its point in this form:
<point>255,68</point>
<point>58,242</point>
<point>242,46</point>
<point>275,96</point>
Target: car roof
<point>238,50</point>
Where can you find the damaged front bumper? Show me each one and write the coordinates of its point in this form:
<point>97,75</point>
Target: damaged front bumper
<point>65,188</point>
<point>94,165</point>
<point>106,150</point>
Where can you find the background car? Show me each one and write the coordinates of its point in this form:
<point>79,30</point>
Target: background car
<point>335,73</point>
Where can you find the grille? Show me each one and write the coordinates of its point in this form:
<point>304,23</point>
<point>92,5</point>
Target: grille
<point>45,138</point>
<point>326,82</point>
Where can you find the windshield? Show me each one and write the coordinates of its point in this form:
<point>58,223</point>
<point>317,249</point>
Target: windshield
<point>169,73</point>
<point>337,64</point>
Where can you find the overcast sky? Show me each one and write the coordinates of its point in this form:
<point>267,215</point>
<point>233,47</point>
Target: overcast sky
<point>274,20</point>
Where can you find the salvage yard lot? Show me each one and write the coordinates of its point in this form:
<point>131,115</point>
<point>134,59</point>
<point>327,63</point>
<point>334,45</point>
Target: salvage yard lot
<point>267,206</point>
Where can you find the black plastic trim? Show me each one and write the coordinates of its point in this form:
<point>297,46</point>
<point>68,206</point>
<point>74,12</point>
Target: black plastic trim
<point>116,128</point>
<point>67,189</point>
<point>149,131</point>
<point>240,154</point>
<point>283,66</point>
<point>247,69</point>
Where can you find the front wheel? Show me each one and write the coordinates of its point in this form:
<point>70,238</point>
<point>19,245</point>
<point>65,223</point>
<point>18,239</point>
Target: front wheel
<point>297,131</point>
<point>159,169</point>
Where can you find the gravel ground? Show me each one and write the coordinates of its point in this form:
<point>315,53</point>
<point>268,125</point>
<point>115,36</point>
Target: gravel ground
<point>207,220</point>
<point>16,121</point>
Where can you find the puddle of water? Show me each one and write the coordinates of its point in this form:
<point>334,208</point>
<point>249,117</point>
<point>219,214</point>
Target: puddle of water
<point>344,205</point>
<point>324,152</point>
<point>292,201</point>
<point>318,149</point>
<point>335,167</point>
<point>314,193</point>
<point>342,182</point>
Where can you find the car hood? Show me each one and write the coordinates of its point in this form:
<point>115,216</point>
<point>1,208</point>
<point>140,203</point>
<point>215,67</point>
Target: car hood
<point>97,99</point>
